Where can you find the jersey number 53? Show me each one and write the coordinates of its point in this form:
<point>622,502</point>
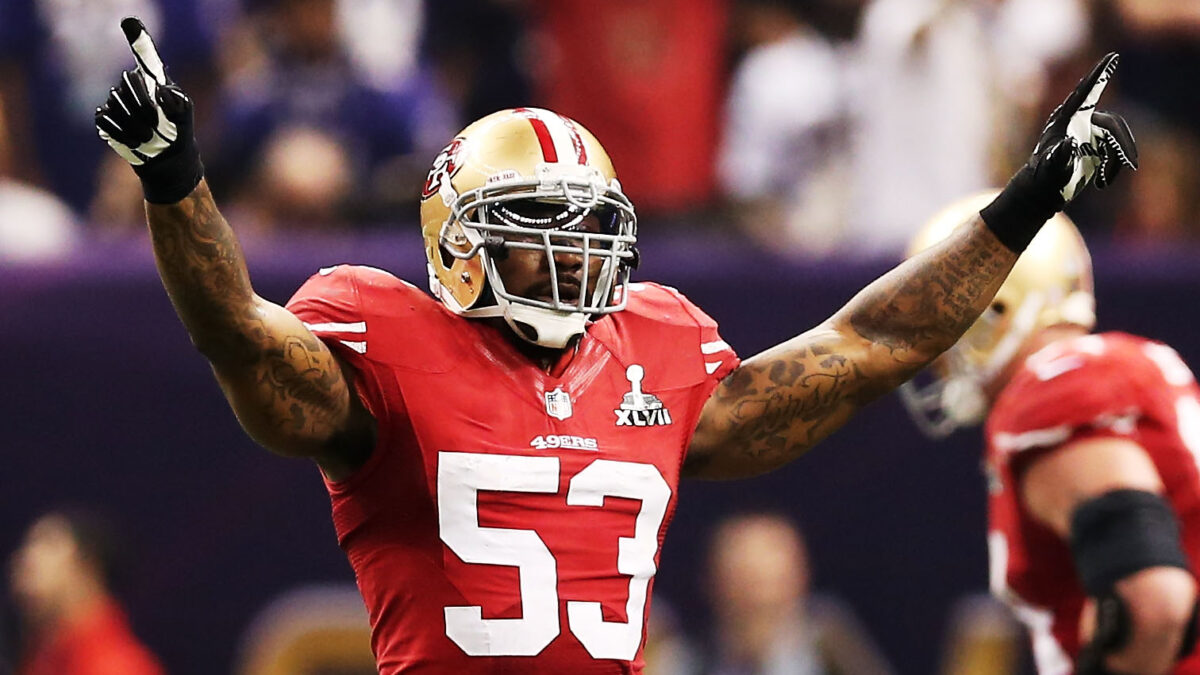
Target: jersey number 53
<point>461,475</point>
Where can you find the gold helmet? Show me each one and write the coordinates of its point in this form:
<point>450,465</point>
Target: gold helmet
<point>525,179</point>
<point>1051,284</point>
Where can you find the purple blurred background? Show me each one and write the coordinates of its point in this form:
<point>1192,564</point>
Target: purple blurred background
<point>780,153</point>
<point>107,403</point>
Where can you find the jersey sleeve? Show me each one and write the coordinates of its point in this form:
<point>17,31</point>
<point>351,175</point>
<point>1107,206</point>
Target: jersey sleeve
<point>329,305</point>
<point>1067,398</point>
<point>718,357</point>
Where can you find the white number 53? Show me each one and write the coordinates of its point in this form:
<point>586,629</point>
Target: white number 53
<point>461,475</point>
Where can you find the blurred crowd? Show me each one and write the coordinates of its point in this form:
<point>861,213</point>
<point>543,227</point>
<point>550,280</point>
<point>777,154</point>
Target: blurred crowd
<point>816,127</point>
<point>67,576</point>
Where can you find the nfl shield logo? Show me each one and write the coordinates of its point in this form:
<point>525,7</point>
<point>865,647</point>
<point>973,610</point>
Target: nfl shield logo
<point>558,404</point>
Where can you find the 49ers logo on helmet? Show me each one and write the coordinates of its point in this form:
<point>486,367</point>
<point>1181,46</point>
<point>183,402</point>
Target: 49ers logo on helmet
<point>445,165</point>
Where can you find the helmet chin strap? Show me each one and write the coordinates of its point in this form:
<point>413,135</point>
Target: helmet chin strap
<point>543,327</point>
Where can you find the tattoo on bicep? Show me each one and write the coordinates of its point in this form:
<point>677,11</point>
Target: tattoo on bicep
<point>776,410</point>
<point>776,406</point>
<point>304,379</point>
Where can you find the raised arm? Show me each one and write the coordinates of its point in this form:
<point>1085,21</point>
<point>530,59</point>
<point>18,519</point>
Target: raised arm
<point>780,403</point>
<point>288,390</point>
<point>286,387</point>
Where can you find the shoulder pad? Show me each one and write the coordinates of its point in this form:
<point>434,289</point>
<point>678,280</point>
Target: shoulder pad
<point>376,315</point>
<point>660,325</point>
<point>665,304</point>
<point>1090,382</point>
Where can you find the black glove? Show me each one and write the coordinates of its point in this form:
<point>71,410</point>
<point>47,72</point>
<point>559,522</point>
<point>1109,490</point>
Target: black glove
<point>148,121</point>
<point>1113,628</point>
<point>1078,146</point>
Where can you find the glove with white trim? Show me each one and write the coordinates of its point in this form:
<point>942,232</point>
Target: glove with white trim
<point>147,120</point>
<point>1079,146</point>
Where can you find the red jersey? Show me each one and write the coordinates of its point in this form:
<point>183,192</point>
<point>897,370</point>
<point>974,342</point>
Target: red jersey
<point>100,643</point>
<point>510,520</point>
<point>1111,384</point>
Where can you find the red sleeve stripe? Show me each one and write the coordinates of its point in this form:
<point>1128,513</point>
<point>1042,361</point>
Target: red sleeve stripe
<point>354,328</point>
<point>1037,438</point>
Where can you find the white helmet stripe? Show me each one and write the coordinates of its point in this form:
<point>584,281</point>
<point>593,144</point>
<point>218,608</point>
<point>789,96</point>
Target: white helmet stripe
<point>576,139</point>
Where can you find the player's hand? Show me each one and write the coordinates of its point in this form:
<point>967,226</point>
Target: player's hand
<point>147,120</point>
<point>1104,627</point>
<point>1079,146</point>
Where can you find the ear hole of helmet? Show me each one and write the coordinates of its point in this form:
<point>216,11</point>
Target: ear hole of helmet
<point>999,307</point>
<point>451,237</point>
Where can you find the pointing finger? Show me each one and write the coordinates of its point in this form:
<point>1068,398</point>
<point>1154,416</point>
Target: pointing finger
<point>1087,93</point>
<point>143,49</point>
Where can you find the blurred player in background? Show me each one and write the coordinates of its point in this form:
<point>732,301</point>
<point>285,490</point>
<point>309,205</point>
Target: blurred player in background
<point>1092,442</point>
<point>503,458</point>
<point>62,583</point>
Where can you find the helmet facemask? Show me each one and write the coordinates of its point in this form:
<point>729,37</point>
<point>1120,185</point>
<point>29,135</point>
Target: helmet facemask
<point>555,214</point>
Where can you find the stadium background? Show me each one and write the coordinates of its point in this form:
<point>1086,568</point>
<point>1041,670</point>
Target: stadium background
<point>105,402</point>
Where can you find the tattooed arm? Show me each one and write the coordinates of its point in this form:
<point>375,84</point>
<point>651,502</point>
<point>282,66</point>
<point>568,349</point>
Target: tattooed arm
<point>781,402</point>
<point>287,388</point>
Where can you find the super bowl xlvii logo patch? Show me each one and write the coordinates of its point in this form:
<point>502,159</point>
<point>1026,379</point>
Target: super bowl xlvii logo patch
<point>638,409</point>
<point>558,404</point>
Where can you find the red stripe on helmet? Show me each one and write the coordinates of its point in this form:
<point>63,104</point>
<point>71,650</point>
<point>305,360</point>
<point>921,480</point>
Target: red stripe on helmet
<point>542,132</point>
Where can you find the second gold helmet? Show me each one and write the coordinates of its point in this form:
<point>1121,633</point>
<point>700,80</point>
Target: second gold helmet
<point>1050,284</point>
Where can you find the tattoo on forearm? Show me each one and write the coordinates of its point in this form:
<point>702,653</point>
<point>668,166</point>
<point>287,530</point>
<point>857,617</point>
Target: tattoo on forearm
<point>921,309</point>
<point>204,271</point>
<point>202,267</point>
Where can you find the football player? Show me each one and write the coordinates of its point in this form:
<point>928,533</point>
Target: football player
<point>1092,440</point>
<point>503,457</point>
